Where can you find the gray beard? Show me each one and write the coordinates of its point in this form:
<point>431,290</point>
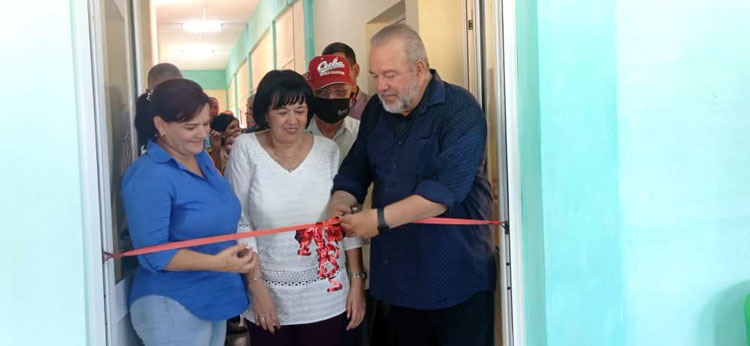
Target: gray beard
<point>403,100</point>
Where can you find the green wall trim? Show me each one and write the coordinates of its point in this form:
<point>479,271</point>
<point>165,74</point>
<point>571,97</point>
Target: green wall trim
<point>307,8</point>
<point>234,106</point>
<point>273,44</point>
<point>260,21</point>
<point>208,79</point>
<point>250,75</point>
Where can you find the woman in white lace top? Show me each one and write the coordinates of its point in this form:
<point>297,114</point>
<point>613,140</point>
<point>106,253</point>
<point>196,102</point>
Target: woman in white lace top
<point>283,176</point>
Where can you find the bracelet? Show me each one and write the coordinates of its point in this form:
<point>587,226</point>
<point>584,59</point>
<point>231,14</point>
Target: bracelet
<point>360,275</point>
<point>253,279</point>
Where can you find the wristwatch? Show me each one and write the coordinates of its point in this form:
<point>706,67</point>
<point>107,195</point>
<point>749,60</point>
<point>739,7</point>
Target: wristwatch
<point>383,227</point>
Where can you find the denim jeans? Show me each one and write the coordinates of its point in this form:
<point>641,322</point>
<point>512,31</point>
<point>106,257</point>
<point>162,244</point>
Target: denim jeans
<point>162,321</point>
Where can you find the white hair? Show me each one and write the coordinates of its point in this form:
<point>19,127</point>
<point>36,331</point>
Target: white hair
<point>413,45</point>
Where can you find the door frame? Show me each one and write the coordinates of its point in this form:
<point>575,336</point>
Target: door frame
<point>99,275</point>
<point>96,316</point>
<point>510,270</point>
<point>106,300</point>
<point>506,60</point>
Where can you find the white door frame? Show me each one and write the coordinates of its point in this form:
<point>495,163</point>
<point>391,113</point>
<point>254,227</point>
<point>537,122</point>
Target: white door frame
<point>106,300</point>
<point>100,309</point>
<point>96,333</point>
<point>506,85</point>
<point>101,150</point>
<point>507,81</point>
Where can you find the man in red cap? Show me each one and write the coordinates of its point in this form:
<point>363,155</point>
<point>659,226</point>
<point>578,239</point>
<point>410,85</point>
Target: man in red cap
<point>333,96</point>
<point>360,97</point>
<point>333,91</point>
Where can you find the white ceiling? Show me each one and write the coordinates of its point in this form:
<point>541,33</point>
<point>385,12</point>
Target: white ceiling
<point>172,39</point>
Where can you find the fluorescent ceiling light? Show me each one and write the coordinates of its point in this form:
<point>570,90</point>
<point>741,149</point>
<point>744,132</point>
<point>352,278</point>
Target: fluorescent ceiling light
<point>202,26</point>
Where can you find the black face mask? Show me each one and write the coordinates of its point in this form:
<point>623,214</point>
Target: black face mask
<point>331,110</point>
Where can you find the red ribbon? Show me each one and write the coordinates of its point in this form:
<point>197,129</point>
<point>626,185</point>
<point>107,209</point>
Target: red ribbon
<point>326,238</point>
<point>326,235</point>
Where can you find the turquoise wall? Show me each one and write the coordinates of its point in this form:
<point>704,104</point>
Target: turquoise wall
<point>684,147</point>
<point>531,177</point>
<point>208,79</point>
<point>633,125</point>
<point>42,287</point>
<point>577,97</point>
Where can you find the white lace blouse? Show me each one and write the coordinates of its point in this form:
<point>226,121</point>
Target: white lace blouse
<point>273,197</point>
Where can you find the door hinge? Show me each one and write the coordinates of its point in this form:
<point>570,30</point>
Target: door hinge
<point>470,24</point>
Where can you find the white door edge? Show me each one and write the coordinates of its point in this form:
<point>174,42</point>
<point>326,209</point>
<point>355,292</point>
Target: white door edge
<point>506,56</point>
<point>89,166</point>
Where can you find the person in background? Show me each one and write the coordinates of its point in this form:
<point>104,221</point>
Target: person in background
<point>213,111</point>
<point>160,73</point>
<point>173,193</point>
<point>156,75</point>
<point>333,87</point>
<point>249,120</point>
<point>333,97</point>
<point>421,143</point>
<point>224,131</point>
<point>360,98</point>
<point>283,176</point>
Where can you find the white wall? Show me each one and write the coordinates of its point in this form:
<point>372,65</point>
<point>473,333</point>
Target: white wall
<point>439,22</point>
<point>344,21</point>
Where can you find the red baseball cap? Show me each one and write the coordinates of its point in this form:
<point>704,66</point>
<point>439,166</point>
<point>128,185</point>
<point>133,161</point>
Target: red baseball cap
<point>325,70</point>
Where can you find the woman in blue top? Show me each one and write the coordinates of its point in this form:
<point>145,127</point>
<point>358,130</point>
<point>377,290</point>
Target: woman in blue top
<point>172,193</point>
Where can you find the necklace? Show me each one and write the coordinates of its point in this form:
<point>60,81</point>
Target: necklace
<point>288,162</point>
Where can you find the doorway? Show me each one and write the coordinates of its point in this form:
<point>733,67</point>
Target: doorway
<point>124,47</point>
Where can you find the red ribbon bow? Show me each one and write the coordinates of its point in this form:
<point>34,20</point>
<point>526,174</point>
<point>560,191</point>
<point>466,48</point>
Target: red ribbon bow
<point>326,236</point>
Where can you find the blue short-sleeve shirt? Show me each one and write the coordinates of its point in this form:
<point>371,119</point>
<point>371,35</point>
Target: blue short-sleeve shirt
<point>165,202</point>
<point>436,152</point>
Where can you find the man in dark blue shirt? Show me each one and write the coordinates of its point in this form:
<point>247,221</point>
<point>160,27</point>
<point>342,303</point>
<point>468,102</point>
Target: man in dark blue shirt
<point>422,143</point>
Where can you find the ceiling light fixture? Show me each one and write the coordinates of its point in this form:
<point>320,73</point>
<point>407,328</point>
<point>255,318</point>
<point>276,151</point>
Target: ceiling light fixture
<point>202,26</point>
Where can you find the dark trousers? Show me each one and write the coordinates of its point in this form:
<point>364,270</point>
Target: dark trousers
<point>382,329</point>
<point>470,323</point>
<point>328,332</point>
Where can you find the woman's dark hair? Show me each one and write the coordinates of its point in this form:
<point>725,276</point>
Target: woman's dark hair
<point>278,89</point>
<point>221,122</point>
<point>175,100</point>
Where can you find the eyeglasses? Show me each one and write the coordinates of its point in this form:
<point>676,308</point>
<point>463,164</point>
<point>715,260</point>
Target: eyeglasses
<point>338,92</point>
